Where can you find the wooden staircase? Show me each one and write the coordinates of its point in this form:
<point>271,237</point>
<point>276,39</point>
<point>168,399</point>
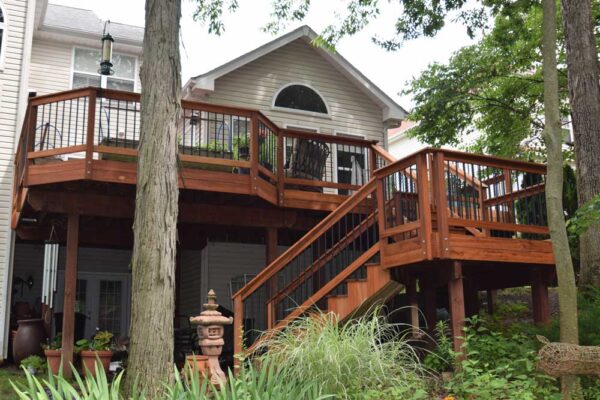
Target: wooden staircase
<point>364,293</point>
<point>433,205</point>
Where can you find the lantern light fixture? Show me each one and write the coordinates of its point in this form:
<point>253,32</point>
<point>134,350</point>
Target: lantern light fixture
<point>107,45</point>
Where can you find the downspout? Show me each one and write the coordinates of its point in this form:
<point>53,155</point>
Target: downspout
<point>21,108</point>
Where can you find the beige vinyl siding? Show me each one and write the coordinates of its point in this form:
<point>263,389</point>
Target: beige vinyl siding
<point>229,260</point>
<point>255,84</point>
<point>10,84</point>
<point>190,301</point>
<point>51,67</point>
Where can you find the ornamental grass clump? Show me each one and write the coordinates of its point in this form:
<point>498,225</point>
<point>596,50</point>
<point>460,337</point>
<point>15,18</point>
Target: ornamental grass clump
<point>365,356</point>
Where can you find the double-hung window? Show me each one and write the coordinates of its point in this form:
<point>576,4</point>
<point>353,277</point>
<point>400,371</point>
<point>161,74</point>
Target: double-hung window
<point>86,63</point>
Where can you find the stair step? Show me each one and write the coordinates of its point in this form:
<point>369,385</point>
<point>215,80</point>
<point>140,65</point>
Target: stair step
<point>358,291</point>
<point>342,306</point>
<point>377,277</point>
<point>356,280</point>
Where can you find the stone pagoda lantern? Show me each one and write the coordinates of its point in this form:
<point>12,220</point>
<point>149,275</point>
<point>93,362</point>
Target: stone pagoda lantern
<point>210,331</point>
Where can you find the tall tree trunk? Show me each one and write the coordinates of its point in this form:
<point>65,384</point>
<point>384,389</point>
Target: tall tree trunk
<point>156,207</point>
<point>567,291</point>
<point>584,94</point>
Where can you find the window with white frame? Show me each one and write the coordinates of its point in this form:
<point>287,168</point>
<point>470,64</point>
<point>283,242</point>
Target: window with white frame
<point>2,31</point>
<point>351,162</point>
<point>86,63</point>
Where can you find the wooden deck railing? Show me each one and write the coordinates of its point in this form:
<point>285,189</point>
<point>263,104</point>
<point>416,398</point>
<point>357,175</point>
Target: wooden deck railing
<point>426,206</point>
<point>100,124</point>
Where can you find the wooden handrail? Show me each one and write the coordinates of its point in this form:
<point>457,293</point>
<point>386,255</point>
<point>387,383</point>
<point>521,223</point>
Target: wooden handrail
<point>280,262</point>
<point>383,153</point>
<point>319,294</point>
<point>326,257</point>
<point>327,138</point>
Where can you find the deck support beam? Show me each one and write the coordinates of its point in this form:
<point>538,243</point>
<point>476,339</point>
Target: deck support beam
<point>430,308</point>
<point>492,299</point>
<point>457,304</point>
<point>271,242</point>
<point>471,298</point>
<point>539,296</point>
<point>411,293</point>
<point>68,327</point>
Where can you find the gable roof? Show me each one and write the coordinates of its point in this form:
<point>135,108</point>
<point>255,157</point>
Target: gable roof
<point>391,110</point>
<point>63,22</point>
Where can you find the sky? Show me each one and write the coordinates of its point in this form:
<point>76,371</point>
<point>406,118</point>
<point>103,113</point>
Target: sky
<point>201,51</point>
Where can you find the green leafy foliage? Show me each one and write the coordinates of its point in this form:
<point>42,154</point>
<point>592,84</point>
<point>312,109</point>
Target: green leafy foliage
<point>586,216</point>
<point>55,343</point>
<point>499,367</point>
<point>441,359</point>
<point>210,12</point>
<point>366,357</point>
<point>266,382</point>
<point>494,88</point>
<point>101,341</point>
<point>35,363</point>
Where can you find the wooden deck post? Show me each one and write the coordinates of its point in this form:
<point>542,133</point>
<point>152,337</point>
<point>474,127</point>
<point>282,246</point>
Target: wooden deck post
<point>471,298</point>
<point>492,299</point>
<point>68,328</point>
<point>411,293</point>
<point>539,296</point>
<point>457,304</point>
<point>271,241</point>
<point>430,308</point>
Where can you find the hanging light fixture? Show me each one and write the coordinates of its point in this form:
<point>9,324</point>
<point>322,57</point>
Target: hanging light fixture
<point>107,45</point>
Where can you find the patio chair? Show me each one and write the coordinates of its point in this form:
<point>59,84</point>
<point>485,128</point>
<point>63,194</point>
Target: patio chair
<point>308,161</point>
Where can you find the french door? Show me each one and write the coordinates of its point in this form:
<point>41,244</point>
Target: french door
<point>103,298</point>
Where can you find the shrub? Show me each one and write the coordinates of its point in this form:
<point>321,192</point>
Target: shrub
<point>251,384</point>
<point>33,363</point>
<point>500,367</point>
<point>363,359</point>
<point>442,358</point>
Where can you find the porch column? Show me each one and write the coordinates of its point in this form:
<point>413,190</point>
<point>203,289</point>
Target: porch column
<point>430,308</point>
<point>492,299</point>
<point>271,241</point>
<point>471,298</point>
<point>457,303</point>
<point>68,328</point>
<point>539,297</point>
<point>413,303</point>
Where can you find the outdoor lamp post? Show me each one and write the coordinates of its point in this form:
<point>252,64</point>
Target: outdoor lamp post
<point>107,44</point>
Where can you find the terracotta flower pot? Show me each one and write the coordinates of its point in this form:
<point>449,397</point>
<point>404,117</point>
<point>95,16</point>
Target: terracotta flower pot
<point>28,339</point>
<point>89,357</point>
<point>200,364</point>
<point>53,357</point>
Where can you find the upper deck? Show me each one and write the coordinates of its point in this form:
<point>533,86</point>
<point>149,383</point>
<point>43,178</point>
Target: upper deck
<point>77,153</point>
<point>92,134</point>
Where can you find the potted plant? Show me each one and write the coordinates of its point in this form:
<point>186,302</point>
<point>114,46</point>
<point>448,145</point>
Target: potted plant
<point>53,353</point>
<point>96,349</point>
<point>241,147</point>
<point>33,364</point>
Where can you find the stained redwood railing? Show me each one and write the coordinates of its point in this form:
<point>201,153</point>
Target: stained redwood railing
<point>408,212</point>
<point>102,124</point>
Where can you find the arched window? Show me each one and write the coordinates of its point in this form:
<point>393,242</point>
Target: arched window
<point>300,97</point>
<point>2,31</point>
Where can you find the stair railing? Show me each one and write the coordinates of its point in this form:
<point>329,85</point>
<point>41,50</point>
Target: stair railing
<point>312,268</point>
